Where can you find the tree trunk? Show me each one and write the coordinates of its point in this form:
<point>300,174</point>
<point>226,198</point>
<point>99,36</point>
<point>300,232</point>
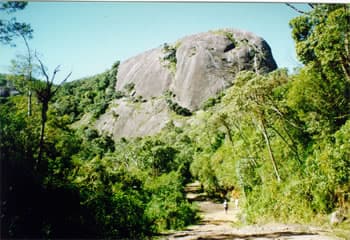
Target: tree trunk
<point>29,76</point>
<point>29,103</point>
<point>293,147</point>
<point>270,151</point>
<point>228,130</point>
<point>45,107</point>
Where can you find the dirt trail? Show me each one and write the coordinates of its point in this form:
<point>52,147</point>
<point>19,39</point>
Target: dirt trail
<point>216,224</point>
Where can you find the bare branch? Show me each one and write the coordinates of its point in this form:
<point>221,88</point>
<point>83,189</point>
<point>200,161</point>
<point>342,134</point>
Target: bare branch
<point>296,9</point>
<point>42,68</point>
<point>57,69</point>
<point>64,80</point>
<point>311,5</point>
<point>29,55</point>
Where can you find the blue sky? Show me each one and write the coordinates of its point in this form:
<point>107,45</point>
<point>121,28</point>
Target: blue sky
<point>88,37</point>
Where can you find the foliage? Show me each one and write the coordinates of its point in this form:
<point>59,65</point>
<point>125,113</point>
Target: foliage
<point>230,37</point>
<point>167,208</point>
<point>169,58</point>
<point>174,106</point>
<point>282,140</point>
<point>331,163</point>
<point>3,80</point>
<point>212,101</point>
<point>322,44</point>
<point>87,185</point>
<point>89,95</point>
<point>114,197</point>
<point>129,87</point>
<point>31,208</point>
<point>177,108</point>
<point>322,39</point>
<point>11,29</point>
<point>234,152</point>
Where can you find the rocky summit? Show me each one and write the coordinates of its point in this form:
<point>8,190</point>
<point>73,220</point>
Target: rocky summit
<point>181,76</point>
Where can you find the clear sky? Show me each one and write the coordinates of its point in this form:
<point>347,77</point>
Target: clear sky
<point>88,37</point>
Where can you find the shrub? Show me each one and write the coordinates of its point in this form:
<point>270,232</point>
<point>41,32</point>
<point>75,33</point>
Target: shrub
<point>174,106</point>
<point>168,207</point>
<point>129,87</point>
<point>170,57</point>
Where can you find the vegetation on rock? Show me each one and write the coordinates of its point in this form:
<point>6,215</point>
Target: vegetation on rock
<point>174,106</point>
<point>169,58</point>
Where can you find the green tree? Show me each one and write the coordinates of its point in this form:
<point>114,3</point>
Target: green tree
<point>254,98</point>
<point>322,43</point>
<point>322,38</point>
<point>11,29</point>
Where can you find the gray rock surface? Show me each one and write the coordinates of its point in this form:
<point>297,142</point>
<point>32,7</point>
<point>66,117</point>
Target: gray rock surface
<point>208,63</point>
<point>205,64</point>
<point>127,119</point>
<point>148,74</point>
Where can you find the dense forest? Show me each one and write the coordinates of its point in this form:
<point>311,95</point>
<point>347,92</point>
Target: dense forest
<point>281,139</point>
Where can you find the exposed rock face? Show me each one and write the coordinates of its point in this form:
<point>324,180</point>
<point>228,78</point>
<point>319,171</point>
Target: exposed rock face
<point>205,64</point>
<point>193,69</point>
<point>125,119</point>
<point>208,63</point>
<point>147,72</point>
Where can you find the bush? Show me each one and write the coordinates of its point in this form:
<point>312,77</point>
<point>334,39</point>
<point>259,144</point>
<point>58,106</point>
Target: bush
<point>170,57</point>
<point>174,106</point>
<point>212,101</point>
<point>282,203</point>
<point>168,207</point>
<point>129,87</point>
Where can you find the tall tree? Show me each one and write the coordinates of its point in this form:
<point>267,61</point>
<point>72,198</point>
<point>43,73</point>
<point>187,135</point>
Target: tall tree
<point>24,66</point>
<point>322,38</point>
<point>256,101</point>
<point>9,31</point>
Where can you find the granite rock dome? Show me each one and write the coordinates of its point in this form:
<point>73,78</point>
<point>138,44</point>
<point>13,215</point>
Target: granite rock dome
<point>192,69</point>
<point>203,64</point>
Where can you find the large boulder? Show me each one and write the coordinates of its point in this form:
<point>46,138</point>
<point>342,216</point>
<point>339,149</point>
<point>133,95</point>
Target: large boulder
<point>189,71</point>
<point>205,64</point>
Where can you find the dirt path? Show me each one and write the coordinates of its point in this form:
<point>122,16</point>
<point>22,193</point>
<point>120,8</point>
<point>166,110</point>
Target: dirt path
<point>216,224</point>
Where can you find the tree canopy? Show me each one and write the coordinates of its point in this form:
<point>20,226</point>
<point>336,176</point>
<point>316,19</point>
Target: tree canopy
<point>10,29</point>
